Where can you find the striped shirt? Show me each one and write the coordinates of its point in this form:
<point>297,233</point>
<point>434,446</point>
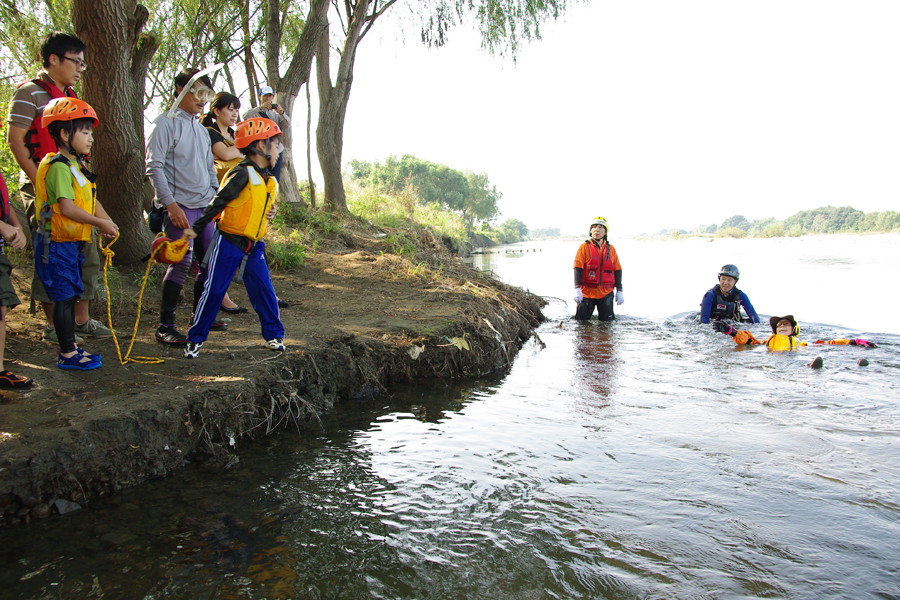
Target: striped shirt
<point>26,104</point>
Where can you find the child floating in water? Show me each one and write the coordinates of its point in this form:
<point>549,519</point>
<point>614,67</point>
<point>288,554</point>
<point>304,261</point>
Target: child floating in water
<point>785,336</point>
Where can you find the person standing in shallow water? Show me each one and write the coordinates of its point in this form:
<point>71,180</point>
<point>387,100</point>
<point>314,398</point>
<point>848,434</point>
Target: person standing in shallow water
<point>598,274</point>
<point>725,301</point>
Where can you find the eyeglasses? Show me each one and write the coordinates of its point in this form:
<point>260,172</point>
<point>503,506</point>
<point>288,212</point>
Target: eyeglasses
<point>784,324</point>
<point>203,94</point>
<point>79,64</point>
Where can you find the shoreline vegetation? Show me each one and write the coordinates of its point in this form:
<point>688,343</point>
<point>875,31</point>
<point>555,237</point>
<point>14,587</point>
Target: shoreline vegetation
<point>377,297</point>
<point>826,220</point>
<point>818,221</point>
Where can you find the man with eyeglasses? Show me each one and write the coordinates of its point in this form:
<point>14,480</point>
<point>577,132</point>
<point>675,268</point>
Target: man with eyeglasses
<point>63,60</point>
<point>181,169</point>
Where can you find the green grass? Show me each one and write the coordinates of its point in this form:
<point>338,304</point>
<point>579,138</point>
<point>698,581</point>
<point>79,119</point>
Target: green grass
<point>286,251</point>
<point>401,211</point>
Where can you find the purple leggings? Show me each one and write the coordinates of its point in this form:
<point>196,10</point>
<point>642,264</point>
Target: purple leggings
<point>177,273</point>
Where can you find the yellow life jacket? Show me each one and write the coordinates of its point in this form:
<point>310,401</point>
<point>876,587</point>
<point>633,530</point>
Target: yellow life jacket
<point>779,343</point>
<point>223,166</point>
<point>62,228</point>
<point>246,214</point>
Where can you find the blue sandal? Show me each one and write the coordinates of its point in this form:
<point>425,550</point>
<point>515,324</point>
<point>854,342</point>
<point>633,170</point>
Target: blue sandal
<point>74,363</point>
<point>81,352</point>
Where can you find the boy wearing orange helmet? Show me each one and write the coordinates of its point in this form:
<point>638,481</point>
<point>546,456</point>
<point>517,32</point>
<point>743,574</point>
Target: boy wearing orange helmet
<point>67,210</point>
<point>246,203</point>
<point>598,274</point>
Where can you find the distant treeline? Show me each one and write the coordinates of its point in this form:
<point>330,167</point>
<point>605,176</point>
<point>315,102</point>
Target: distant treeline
<point>828,219</point>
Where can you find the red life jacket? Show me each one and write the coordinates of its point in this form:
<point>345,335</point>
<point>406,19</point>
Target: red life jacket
<point>37,138</point>
<point>599,269</point>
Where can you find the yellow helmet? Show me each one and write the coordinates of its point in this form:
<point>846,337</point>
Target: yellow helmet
<point>599,221</point>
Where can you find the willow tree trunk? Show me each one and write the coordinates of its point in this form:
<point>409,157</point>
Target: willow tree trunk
<point>333,106</point>
<point>297,74</point>
<point>287,186</point>
<point>119,55</point>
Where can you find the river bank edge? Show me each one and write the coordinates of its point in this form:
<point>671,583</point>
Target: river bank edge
<point>361,320</point>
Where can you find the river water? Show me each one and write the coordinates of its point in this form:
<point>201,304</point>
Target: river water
<point>645,458</point>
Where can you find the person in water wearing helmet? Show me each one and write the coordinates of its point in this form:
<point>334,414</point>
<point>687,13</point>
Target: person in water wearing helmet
<point>598,274</point>
<point>725,301</point>
<point>785,336</point>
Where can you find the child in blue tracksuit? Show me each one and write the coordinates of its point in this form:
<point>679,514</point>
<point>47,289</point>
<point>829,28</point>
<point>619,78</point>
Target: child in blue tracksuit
<point>66,210</point>
<point>244,204</point>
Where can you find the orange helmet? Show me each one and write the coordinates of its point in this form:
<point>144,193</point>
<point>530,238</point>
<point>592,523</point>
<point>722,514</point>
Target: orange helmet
<point>167,250</point>
<point>67,109</point>
<point>256,128</point>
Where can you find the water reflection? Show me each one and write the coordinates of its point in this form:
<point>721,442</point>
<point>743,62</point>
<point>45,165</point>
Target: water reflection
<point>596,361</point>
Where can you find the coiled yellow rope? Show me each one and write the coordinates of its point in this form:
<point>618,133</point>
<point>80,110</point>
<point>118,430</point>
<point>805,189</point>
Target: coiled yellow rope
<point>144,360</point>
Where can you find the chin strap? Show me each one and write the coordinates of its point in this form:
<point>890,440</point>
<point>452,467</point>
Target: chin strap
<point>267,155</point>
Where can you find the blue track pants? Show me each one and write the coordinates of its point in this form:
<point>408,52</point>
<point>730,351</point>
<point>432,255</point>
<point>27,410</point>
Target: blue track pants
<point>223,261</point>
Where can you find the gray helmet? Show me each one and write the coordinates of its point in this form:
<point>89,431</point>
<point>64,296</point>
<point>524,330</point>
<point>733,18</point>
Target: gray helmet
<point>731,271</point>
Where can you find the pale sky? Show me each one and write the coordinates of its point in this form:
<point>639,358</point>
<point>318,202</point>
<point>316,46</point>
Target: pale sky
<point>651,113</point>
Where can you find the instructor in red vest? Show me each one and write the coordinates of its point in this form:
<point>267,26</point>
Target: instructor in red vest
<point>29,141</point>
<point>598,274</point>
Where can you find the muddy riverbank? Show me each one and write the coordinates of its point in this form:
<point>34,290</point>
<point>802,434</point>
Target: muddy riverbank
<point>360,320</point>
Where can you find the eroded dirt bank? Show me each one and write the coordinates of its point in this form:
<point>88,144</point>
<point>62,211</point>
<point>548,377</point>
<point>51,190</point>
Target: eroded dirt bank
<point>360,320</point>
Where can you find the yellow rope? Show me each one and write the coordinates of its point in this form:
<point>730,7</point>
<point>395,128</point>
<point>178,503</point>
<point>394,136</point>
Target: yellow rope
<point>144,360</point>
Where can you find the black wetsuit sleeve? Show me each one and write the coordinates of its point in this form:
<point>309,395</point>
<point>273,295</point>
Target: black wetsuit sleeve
<point>231,189</point>
<point>618,275</point>
<point>578,272</point>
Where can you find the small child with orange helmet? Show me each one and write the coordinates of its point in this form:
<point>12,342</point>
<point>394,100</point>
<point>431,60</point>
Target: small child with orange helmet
<point>66,209</point>
<point>785,336</point>
<point>246,203</point>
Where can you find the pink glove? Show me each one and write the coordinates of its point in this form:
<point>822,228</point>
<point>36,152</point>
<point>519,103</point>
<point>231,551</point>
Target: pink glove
<point>863,343</point>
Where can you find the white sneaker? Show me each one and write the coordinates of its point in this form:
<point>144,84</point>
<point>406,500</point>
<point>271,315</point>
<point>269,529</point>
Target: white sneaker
<point>192,349</point>
<point>276,344</point>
